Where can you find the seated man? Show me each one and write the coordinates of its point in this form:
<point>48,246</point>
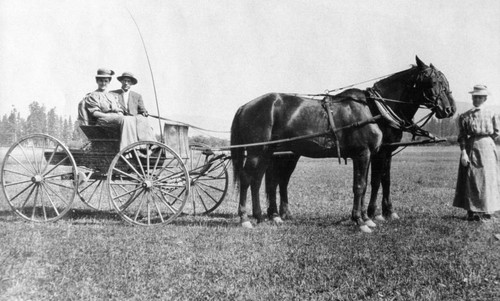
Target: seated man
<point>107,111</point>
<point>130,100</point>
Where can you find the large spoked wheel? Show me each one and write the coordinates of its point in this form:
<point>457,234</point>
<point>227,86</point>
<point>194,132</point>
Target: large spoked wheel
<point>209,179</point>
<point>93,189</point>
<point>38,175</point>
<point>148,183</point>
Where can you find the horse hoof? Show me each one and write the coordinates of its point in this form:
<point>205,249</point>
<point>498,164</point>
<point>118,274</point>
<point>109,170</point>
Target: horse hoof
<point>380,218</point>
<point>247,225</point>
<point>277,221</point>
<point>394,215</point>
<point>286,217</point>
<point>370,223</point>
<point>365,229</point>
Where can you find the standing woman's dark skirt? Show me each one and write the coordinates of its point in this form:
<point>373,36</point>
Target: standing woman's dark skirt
<point>478,185</point>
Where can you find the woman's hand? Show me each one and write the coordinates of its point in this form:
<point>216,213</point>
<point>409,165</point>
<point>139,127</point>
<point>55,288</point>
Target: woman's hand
<point>116,109</point>
<point>464,159</point>
<point>108,118</point>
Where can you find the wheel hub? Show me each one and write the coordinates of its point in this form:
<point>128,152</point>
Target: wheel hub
<point>36,179</point>
<point>147,184</point>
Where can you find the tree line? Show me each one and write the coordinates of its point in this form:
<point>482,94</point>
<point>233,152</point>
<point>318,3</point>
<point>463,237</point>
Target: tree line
<point>444,128</point>
<point>14,126</point>
<point>40,120</point>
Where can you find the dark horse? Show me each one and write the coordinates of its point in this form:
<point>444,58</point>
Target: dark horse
<point>357,130</point>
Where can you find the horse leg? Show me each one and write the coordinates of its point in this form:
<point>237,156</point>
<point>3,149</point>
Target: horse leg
<point>290,162</point>
<point>255,191</point>
<point>376,173</point>
<point>251,176</point>
<point>244,183</point>
<point>361,165</point>
<point>279,173</point>
<point>257,165</point>
<point>387,210</point>
<point>271,185</point>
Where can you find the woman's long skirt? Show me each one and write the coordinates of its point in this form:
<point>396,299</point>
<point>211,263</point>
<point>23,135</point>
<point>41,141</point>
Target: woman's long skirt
<point>134,129</point>
<point>478,185</point>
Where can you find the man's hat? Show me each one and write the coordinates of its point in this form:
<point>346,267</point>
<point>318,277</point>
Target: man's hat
<point>103,72</point>
<point>480,90</point>
<point>128,75</point>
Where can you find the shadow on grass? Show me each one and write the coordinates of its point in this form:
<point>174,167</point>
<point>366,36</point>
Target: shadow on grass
<point>211,220</point>
<point>76,215</point>
<point>322,221</point>
<point>91,216</point>
<point>8,216</point>
<point>207,220</point>
<point>84,214</point>
<point>454,217</point>
<point>4,213</point>
<point>214,223</point>
<point>213,214</point>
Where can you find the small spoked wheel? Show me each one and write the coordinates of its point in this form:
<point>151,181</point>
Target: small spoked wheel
<point>209,179</point>
<point>93,189</point>
<point>148,183</point>
<point>38,175</point>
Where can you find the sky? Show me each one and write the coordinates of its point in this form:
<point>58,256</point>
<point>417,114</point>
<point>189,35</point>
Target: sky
<point>210,57</point>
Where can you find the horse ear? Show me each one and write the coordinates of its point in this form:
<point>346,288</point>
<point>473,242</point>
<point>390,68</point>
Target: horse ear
<point>420,64</point>
<point>432,66</point>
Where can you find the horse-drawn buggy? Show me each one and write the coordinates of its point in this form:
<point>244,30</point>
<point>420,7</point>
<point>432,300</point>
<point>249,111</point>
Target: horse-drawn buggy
<point>41,177</point>
<point>146,183</point>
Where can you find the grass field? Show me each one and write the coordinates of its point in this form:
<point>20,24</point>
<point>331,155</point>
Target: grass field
<point>432,253</point>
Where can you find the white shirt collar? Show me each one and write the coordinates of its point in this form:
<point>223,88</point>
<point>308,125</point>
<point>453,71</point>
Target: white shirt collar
<point>125,97</point>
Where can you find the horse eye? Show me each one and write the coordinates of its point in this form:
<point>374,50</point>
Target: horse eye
<point>428,83</point>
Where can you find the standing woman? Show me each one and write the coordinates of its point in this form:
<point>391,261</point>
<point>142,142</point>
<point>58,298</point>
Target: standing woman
<point>478,183</point>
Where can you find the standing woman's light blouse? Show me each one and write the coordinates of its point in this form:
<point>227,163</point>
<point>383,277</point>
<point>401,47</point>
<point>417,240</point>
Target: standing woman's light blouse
<point>478,122</point>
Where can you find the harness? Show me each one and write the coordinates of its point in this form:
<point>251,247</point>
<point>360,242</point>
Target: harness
<point>386,115</point>
<point>331,123</point>
<point>394,120</point>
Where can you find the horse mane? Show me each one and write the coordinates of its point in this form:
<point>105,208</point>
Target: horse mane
<point>395,76</point>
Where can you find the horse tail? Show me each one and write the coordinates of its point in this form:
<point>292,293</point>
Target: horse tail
<point>237,154</point>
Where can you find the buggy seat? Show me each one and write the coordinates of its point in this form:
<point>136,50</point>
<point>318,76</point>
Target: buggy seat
<point>102,138</point>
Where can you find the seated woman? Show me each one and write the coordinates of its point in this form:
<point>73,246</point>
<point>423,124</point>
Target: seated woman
<point>106,109</point>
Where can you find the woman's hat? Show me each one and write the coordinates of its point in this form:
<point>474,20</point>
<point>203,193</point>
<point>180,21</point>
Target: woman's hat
<point>103,72</point>
<point>480,90</point>
<point>128,75</point>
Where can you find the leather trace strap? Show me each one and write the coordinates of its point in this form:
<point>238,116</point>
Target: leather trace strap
<point>331,122</point>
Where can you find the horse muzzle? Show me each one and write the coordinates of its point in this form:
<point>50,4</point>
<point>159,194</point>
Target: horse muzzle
<point>446,112</point>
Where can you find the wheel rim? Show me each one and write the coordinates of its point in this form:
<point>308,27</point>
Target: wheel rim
<point>38,175</point>
<point>209,180</point>
<point>148,189</point>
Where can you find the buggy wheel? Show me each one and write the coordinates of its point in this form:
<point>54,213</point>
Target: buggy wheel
<point>38,175</point>
<point>148,187</point>
<point>93,189</point>
<point>209,179</point>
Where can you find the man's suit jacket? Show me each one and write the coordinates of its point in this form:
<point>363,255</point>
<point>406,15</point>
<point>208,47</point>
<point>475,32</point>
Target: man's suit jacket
<point>135,103</point>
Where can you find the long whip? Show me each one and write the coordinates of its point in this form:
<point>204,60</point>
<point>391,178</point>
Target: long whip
<point>150,70</point>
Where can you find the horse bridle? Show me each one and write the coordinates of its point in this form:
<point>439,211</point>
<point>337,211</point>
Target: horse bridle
<point>415,92</point>
<point>431,101</point>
